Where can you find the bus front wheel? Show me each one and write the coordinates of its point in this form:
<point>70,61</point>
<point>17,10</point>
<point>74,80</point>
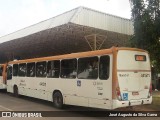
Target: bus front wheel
<point>58,99</point>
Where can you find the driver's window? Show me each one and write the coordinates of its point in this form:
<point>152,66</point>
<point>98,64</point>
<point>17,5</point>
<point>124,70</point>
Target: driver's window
<point>9,73</point>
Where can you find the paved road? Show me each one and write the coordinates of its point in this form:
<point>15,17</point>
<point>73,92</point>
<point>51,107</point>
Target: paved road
<point>10,103</point>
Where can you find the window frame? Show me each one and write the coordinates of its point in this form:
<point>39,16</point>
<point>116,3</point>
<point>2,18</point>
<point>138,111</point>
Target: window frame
<point>76,68</point>
<point>19,69</point>
<point>1,73</point>
<point>34,74</point>
<point>108,66</point>
<point>9,68</point>
<point>44,72</point>
<point>97,77</point>
<point>55,69</point>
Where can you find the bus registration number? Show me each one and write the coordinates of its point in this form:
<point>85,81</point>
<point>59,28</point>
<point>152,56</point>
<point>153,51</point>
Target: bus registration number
<point>135,93</point>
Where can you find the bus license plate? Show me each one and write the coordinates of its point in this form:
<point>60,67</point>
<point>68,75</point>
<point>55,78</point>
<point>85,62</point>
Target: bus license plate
<point>135,93</point>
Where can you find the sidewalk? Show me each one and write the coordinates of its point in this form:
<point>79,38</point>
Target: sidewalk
<point>156,97</point>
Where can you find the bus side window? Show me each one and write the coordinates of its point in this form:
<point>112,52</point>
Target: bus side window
<point>69,68</point>
<point>41,69</point>
<point>30,69</point>
<point>9,73</point>
<point>15,70</point>
<point>104,67</point>
<point>88,68</point>
<point>1,70</point>
<point>53,69</point>
<point>22,70</point>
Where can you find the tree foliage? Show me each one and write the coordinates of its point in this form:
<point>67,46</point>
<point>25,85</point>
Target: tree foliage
<point>146,21</point>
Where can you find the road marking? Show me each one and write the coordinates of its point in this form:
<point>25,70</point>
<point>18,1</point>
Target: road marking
<point>5,108</point>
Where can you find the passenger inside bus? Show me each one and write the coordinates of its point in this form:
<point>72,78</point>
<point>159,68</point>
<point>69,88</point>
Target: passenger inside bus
<point>22,69</point>
<point>41,70</point>
<point>53,69</point>
<point>30,69</point>
<point>51,73</point>
<point>89,69</point>
<point>69,68</point>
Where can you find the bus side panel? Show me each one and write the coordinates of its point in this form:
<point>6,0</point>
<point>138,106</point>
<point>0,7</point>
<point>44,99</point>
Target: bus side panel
<point>84,92</point>
<point>101,96</point>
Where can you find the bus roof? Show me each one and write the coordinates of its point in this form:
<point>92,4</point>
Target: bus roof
<point>76,55</point>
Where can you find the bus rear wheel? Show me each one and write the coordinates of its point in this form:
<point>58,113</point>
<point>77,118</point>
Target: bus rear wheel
<point>15,91</point>
<point>58,100</point>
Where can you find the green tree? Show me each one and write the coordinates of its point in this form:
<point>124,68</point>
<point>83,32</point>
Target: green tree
<point>146,21</point>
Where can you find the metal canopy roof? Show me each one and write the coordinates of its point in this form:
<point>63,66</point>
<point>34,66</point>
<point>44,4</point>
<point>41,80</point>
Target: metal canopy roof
<point>65,33</point>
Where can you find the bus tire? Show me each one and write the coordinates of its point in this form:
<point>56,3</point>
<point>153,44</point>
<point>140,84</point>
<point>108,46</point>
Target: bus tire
<point>58,100</point>
<point>15,91</point>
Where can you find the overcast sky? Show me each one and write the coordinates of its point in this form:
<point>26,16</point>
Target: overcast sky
<point>17,14</point>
